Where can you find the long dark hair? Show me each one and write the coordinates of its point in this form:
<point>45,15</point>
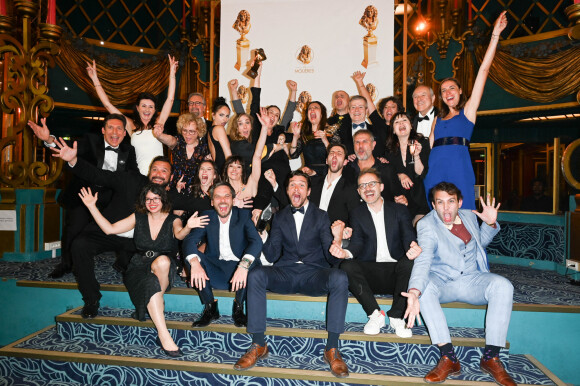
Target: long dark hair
<point>307,125</point>
<point>393,140</point>
<point>196,190</point>
<point>443,108</point>
<point>139,125</point>
<point>234,159</point>
<point>156,189</point>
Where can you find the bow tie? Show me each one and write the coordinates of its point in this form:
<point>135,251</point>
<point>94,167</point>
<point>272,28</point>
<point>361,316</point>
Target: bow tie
<point>299,210</point>
<point>355,125</point>
<point>425,118</point>
<point>109,148</point>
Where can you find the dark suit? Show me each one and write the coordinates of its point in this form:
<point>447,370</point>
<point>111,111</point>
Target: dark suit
<point>416,120</point>
<point>392,185</point>
<point>91,147</point>
<point>299,267</point>
<point>244,239</point>
<point>367,276</point>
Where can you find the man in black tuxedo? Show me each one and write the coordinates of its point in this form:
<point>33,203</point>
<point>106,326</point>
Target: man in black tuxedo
<point>298,246</point>
<point>423,100</point>
<point>358,109</point>
<point>196,104</point>
<point>107,152</point>
<point>378,259</point>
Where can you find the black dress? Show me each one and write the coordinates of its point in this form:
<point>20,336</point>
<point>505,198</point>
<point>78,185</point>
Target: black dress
<point>141,283</point>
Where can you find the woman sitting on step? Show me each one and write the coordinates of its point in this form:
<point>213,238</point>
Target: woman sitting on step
<point>152,269</point>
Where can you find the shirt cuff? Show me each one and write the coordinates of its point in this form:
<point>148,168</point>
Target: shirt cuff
<point>189,257</point>
<point>249,257</point>
<point>348,254</point>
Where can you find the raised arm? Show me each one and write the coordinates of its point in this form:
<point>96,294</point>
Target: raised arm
<point>41,132</point>
<point>168,140</point>
<point>358,78</point>
<point>120,226</point>
<point>166,110</point>
<point>236,101</point>
<point>291,105</point>
<point>471,106</point>
<point>195,221</point>
<point>254,178</point>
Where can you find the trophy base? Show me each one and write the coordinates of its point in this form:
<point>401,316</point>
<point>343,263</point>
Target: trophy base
<point>370,51</point>
<point>243,53</point>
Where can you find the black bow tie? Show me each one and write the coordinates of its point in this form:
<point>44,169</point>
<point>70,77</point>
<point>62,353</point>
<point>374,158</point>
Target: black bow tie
<point>109,148</point>
<point>425,118</point>
<point>299,210</point>
<point>355,125</point>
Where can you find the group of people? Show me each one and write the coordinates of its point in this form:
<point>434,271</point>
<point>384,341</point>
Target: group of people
<point>356,217</point>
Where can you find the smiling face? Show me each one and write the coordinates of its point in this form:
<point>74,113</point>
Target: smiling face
<point>114,132</point>
<point>190,134</point>
<point>423,99</point>
<point>390,109</point>
<point>450,94</point>
<point>146,109</point>
<point>314,113</point>
<point>402,126</point>
<point>357,110</point>
<point>234,171</point>
<point>335,159</point>
<point>446,205</point>
<point>153,202</point>
<point>160,172</point>
<point>363,146</point>
<point>223,201</point>
<point>369,188</point>
<point>298,191</point>
<point>196,105</point>
<point>274,115</point>
<point>340,102</point>
<point>206,174</point>
<point>221,116</point>
<point>244,126</point>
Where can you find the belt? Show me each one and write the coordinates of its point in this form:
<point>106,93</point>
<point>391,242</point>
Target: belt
<point>451,141</point>
<point>147,255</point>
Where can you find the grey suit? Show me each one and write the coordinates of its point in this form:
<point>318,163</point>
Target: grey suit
<point>449,270</point>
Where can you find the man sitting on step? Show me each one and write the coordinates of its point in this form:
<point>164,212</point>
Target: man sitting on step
<point>233,244</point>
<point>298,246</point>
<point>453,267</point>
<point>379,257</point>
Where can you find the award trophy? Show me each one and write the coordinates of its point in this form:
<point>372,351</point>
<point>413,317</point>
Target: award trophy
<point>260,56</point>
<point>370,20</point>
<point>242,25</point>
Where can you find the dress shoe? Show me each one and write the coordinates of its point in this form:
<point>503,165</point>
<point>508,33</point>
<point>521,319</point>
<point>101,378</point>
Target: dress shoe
<point>249,359</point>
<point>337,366</point>
<point>444,368</point>
<point>173,354</point>
<point>209,314</point>
<point>90,310</point>
<point>495,368</point>
<point>240,319</point>
<point>59,271</point>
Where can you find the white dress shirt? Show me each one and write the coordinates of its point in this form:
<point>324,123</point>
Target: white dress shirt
<point>327,191</point>
<point>424,126</point>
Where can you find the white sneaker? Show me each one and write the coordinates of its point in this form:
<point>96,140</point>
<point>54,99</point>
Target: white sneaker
<point>376,321</point>
<point>400,327</point>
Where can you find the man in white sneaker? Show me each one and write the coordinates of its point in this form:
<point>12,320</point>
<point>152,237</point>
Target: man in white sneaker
<point>379,257</point>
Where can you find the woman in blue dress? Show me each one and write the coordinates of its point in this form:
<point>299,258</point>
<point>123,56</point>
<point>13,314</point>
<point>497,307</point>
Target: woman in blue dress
<point>449,159</point>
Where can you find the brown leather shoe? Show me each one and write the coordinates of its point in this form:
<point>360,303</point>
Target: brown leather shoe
<point>444,368</point>
<point>249,359</point>
<point>337,366</point>
<point>495,368</point>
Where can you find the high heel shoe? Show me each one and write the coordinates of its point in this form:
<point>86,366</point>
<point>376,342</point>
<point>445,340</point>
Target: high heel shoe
<point>174,354</point>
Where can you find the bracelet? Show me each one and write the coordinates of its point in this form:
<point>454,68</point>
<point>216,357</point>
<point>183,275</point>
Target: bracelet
<point>292,147</point>
<point>245,263</point>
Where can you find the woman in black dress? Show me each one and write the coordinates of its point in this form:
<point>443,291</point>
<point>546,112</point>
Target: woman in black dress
<point>152,269</point>
<point>219,144</point>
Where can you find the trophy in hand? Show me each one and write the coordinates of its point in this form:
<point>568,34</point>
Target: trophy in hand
<point>260,56</point>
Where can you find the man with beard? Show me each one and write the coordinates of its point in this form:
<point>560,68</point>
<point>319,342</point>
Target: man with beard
<point>298,246</point>
<point>232,246</point>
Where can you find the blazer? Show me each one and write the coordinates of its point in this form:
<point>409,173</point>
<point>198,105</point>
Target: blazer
<point>244,238</point>
<point>283,247</point>
<point>92,149</point>
<point>398,228</point>
<point>440,256</point>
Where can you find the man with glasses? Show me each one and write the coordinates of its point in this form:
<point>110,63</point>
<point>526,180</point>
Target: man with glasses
<point>379,257</point>
<point>196,104</point>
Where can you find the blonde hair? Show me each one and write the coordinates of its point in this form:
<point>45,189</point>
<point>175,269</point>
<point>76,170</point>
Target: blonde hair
<point>185,119</point>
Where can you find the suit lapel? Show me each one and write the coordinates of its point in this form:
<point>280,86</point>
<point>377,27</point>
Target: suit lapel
<point>308,219</point>
<point>100,152</point>
<point>370,226</point>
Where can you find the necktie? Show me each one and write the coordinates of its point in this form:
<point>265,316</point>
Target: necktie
<point>425,118</point>
<point>355,125</point>
<point>299,210</point>
<point>109,148</point>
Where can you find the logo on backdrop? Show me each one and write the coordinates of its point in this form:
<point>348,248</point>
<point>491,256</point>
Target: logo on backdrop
<point>305,55</point>
<point>372,89</point>
<point>303,100</point>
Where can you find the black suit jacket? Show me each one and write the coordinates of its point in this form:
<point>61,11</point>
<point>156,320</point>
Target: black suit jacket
<point>390,180</point>
<point>91,148</point>
<point>416,117</point>
<point>399,230</point>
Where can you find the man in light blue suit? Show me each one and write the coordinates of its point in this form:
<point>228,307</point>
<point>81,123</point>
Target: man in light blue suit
<point>453,267</point>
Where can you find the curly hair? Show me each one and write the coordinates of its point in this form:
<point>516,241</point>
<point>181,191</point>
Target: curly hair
<point>185,120</point>
<point>383,102</point>
<point>156,189</point>
<point>233,128</point>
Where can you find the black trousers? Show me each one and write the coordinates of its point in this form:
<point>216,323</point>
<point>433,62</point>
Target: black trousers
<point>85,247</point>
<point>367,278</point>
<point>76,219</point>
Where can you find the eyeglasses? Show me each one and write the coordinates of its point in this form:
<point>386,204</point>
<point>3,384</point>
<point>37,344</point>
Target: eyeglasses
<point>155,200</point>
<point>195,103</point>
<point>370,184</point>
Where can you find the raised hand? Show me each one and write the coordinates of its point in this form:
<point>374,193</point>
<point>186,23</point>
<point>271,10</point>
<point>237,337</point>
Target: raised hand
<point>500,24</point>
<point>41,132</point>
<point>157,129</point>
<point>233,86</point>
<point>489,210</point>
<point>92,71</point>
<point>88,198</point>
<point>296,128</point>
<point>63,151</point>
<point>197,222</point>
<point>263,118</point>
<point>173,65</point>
<point>293,86</point>
<point>270,176</point>
<point>358,77</point>
<point>243,203</point>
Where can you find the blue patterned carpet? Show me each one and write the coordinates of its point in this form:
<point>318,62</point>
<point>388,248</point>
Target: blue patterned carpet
<point>531,286</point>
